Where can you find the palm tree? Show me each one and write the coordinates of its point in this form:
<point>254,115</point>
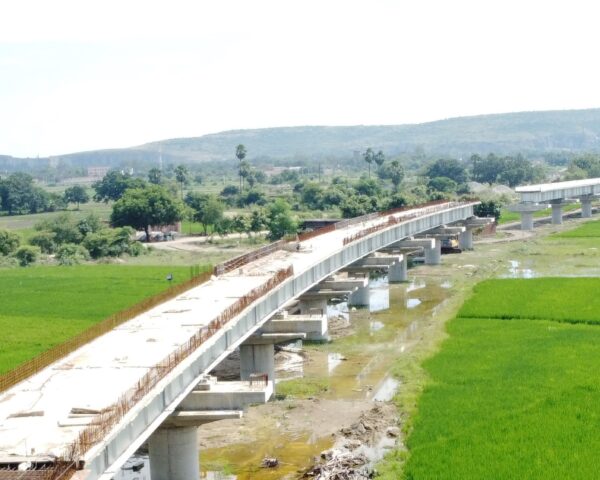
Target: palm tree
<point>240,153</point>
<point>369,156</point>
<point>181,175</point>
<point>379,158</point>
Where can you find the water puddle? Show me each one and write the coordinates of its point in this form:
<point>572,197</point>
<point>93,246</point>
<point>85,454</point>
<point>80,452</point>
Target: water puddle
<point>386,390</point>
<point>413,302</point>
<point>333,360</point>
<point>515,270</point>
<point>355,367</point>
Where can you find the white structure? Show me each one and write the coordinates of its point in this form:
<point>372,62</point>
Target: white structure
<point>557,195</point>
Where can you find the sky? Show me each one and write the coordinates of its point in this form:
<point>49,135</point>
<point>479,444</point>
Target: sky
<point>83,75</point>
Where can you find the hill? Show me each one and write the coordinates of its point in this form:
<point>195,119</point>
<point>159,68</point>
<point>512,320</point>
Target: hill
<point>526,132</point>
<point>570,130</point>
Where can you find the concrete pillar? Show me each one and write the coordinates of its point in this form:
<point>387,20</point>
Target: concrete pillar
<point>312,306</point>
<point>586,207</point>
<point>257,359</point>
<point>433,256</point>
<point>174,454</point>
<point>557,214</point>
<point>360,297</point>
<point>465,239</point>
<point>526,220</point>
<point>398,272</point>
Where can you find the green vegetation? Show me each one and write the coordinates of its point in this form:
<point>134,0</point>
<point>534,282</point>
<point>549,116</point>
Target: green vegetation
<point>587,230</point>
<point>573,300</point>
<point>512,399</point>
<point>302,387</point>
<point>44,306</point>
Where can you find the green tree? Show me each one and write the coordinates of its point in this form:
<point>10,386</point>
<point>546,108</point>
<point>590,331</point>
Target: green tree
<point>113,186</point>
<point>207,209</point>
<point>369,157</point>
<point>442,185</point>
<point>142,208</point>
<point>379,158</point>
<point>181,175</point>
<point>258,221</point>
<point>155,176</point>
<point>396,174</point>
<point>487,209</point>
<point>9,242</point>
<point>240,153</point>
<point>76,194</point>
<point>280,220</point>
<point>449,168</point>
<point>63,226</point>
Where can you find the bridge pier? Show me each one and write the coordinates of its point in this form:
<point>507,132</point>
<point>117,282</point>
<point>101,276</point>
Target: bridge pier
<point>433,255</point>
<point>465,239</point>
<point>527,209</point>
<point>257,358</point>
<point>398,272</point>
<point>360,297</point>
<point>586,206</point>
<point>174,454</point>
<point>557,211</point>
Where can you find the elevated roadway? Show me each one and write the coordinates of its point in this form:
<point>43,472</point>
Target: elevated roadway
<point>34,414</point>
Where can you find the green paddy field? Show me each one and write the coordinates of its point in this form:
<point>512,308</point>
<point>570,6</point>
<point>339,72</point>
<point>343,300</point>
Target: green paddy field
<point>43,306</point>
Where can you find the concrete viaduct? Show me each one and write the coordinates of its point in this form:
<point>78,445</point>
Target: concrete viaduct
<point>147,381</point>
<point>555,195</point>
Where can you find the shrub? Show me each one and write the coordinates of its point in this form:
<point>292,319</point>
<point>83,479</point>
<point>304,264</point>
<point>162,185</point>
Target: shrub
<point>8,242</point>
<point>27,255</point>
<point>44,240</point>
<point>71,254</point>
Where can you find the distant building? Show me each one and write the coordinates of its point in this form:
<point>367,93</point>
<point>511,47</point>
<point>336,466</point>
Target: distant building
<point>97,172</point>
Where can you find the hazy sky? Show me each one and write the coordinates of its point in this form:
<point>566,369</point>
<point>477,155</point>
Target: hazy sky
<point>79,75</point>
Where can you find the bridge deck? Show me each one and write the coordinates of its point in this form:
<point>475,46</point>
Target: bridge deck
<point>97,374</point>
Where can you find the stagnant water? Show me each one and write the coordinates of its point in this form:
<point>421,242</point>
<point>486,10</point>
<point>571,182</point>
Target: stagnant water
<point>356,367</point>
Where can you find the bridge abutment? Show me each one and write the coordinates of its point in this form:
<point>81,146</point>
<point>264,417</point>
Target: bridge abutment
<point>174,454</point>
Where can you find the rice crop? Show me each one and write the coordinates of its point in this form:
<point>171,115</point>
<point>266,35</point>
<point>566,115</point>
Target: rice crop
<point>571,299</point>
<point>43,306</point>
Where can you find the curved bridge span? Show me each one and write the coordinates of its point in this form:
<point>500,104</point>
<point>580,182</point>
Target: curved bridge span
<point>37,423</point>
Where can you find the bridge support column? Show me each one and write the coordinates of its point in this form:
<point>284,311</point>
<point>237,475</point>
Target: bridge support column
<point>257,358</point>
<point>557,214</point>
<point>360,297</point>
<point>398,272</point>
<point>312,306</point>
<point>586,206</point>
<point>465,239</point>
<point>174,454</point>
<point>526,220</point>
<point>433,256</point>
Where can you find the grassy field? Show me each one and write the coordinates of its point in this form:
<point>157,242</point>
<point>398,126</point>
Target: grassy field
<point>573,300</point>
<point>512,399</point>
<point>587,230</point>
<point>43,306</point>
<point>20,222</point>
